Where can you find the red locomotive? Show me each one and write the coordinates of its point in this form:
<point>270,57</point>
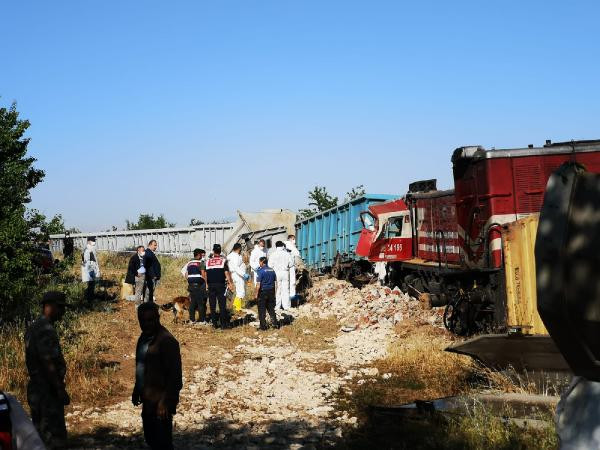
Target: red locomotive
<point>446,246</point>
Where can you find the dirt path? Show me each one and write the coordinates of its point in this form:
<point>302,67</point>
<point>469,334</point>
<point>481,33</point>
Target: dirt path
<point>248,389</point>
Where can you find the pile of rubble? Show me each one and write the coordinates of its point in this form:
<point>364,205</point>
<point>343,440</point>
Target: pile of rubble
<point>371,306</point>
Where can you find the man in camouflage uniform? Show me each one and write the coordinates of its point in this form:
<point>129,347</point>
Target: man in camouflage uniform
<point>46,392</point>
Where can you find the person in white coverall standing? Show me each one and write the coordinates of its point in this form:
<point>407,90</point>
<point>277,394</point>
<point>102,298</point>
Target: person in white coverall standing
<point>239,275</point>
<point>290,246</point>
<point>90,270</point>
<point>257,252</point>
<point>280,261</point>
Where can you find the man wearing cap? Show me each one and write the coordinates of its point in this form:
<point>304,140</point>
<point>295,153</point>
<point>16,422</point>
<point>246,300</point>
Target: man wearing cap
<point>195,273</point>
<point>90,270</point>
<point>218,279</point>
<point>46,393</point>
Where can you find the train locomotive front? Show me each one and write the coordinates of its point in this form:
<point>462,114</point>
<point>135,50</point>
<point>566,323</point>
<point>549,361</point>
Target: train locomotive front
<point>446,247</point>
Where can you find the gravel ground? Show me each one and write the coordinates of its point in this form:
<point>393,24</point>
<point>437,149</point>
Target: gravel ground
<point>267,391</point>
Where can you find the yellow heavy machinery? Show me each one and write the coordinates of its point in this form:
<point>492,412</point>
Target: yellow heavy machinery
<point>527,345</point>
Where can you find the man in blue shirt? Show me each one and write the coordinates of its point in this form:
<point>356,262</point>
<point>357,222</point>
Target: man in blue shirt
<point>265,293</point>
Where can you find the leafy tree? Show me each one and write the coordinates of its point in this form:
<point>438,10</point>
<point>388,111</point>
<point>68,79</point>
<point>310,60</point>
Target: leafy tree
<point>148,221</point>
<point>355,192</point>
<point>56,225</point>
<point>319,200</point>
<point>196,222</point>
<point>17,177</point>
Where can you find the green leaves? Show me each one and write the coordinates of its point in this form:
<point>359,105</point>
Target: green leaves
<point>320,200</point>
<point>17,177</point>
<point>148,222</point>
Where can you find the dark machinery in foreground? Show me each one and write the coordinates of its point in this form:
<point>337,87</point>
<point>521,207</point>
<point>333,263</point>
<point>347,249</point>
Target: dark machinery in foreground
<point>568,257</point>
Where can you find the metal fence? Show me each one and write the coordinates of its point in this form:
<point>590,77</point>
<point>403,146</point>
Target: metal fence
<point>173,241</point>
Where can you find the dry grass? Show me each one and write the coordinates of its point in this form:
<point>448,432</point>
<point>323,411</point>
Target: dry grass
<point>87,336</point>
<point>479,429</point>
<point>13,373</point>
<point>311,334</point>
<point>418,358</point>
<point>418,368</point>
<point>84,339</point>
<point>90,370</point>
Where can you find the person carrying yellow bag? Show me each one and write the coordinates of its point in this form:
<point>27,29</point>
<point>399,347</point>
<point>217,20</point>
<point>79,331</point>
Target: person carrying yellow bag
<point>239,275</point>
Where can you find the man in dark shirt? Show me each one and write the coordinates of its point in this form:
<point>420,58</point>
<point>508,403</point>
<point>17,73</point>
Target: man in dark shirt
<point>158,378</point>
<point>218,277</point>
<point>195,273</point>
<point>152,266</point>
<point>265,293</point>
<point>46,393</point>
<point>135,274</point>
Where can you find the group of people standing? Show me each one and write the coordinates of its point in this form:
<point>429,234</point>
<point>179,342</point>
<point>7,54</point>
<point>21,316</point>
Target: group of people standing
<point>283,261</point>
<point>212,278</point>
<point>158,374</point>
<point>208,278</point>
<point>144,272</point>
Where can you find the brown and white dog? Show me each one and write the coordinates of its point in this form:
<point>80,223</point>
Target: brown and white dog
<point>178,306</point>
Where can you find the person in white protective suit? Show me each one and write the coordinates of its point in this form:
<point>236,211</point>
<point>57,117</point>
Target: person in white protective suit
<point>281,262</point>
<point>257,252</point>
<point>90,270</point>
<point>239,275</point>
<point>290,246</point>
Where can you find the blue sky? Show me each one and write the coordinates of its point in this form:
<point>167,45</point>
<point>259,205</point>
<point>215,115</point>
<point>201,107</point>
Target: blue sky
<point>198,109</point>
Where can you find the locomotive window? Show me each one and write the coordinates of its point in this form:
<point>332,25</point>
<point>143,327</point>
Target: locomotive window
<point>394,227</point>
<point>368,221</point>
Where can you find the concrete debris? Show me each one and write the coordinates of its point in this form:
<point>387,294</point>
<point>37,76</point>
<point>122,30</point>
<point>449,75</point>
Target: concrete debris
<point>370,306</point>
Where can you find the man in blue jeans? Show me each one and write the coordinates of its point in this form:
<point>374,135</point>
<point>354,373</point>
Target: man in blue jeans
<point>265,293</point>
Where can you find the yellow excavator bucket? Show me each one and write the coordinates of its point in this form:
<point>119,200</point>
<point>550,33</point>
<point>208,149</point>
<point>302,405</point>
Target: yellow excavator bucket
<point>518,242</point>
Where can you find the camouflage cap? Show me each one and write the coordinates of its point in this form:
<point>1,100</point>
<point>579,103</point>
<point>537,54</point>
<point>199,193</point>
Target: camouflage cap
<point>54,298</point>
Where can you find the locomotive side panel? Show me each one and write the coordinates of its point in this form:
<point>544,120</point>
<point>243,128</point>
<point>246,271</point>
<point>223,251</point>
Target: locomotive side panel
<point>496,187</point>
<point>437,232</point>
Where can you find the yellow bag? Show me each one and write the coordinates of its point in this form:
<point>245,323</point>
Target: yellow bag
<point>126,290</point>
<point>237,304</point>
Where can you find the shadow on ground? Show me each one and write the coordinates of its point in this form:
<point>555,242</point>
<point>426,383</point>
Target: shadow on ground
<point>376,433</point>
<point>220,433</point>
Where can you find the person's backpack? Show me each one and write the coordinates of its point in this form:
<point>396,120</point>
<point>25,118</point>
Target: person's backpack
<point>5,423</point>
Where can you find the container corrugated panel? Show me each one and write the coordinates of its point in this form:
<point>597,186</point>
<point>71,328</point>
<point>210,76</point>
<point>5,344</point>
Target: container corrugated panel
<point>321,237</point>
<point>174,241</point>
<point>518,243</point>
